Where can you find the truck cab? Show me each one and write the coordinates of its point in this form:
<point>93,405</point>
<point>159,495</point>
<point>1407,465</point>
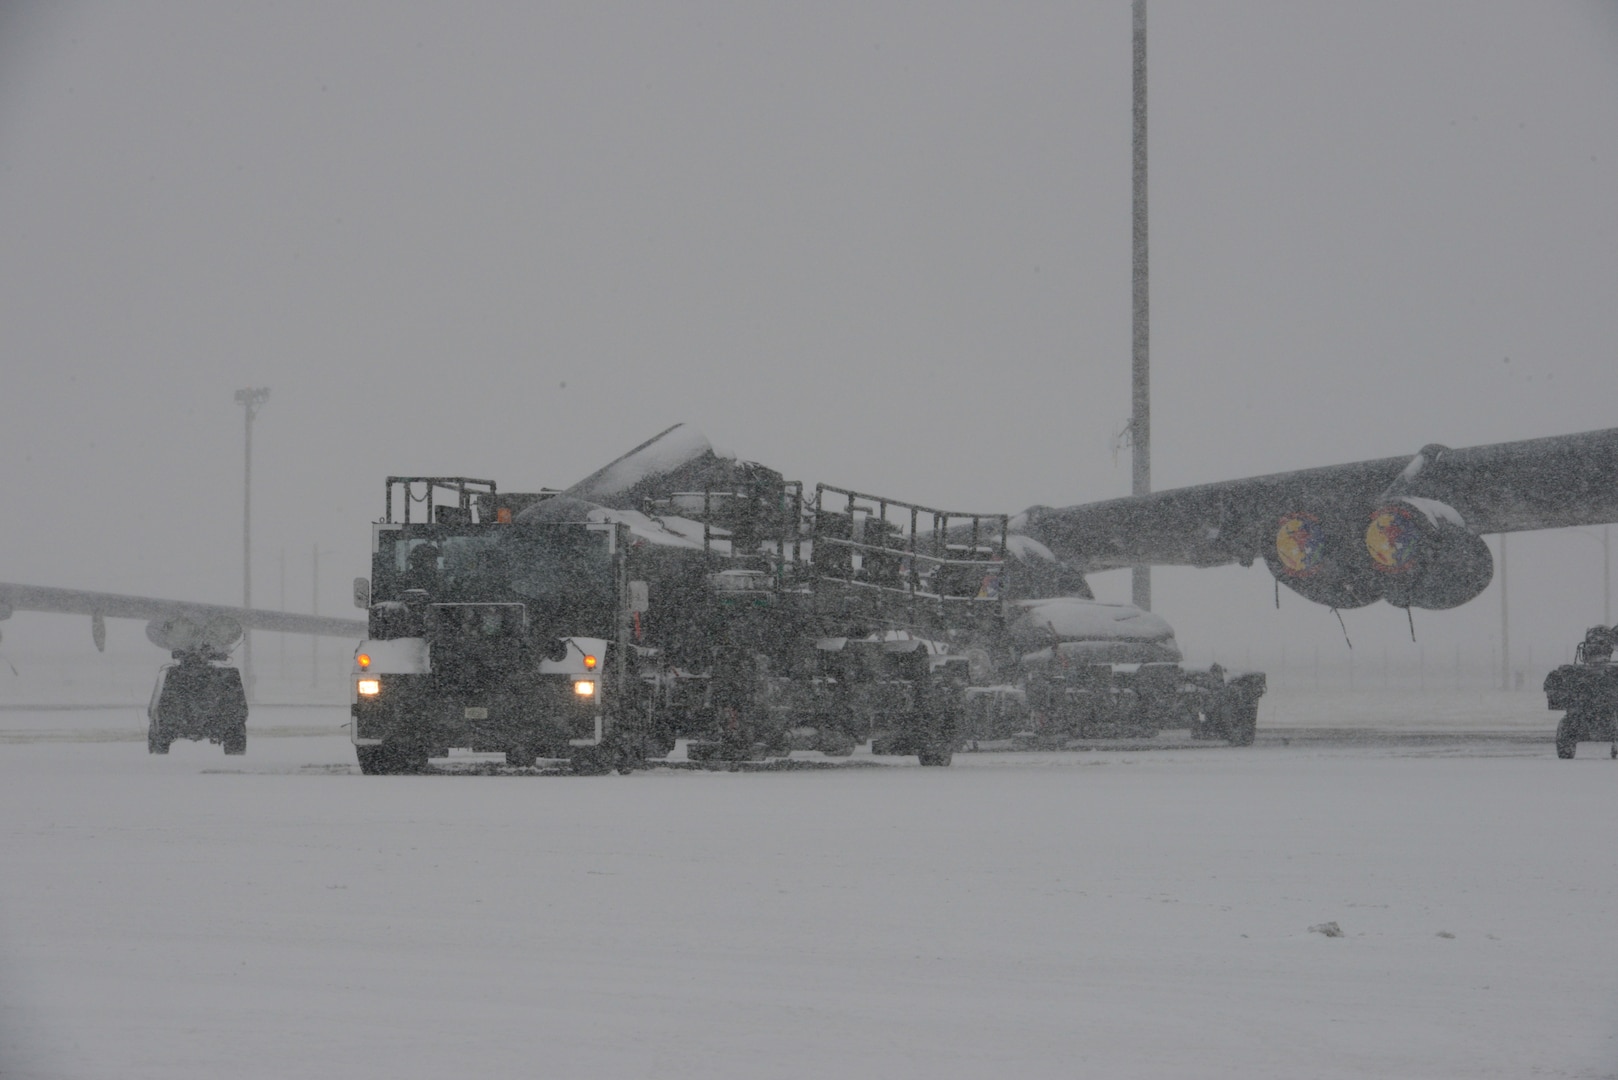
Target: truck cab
<point>485,633</point>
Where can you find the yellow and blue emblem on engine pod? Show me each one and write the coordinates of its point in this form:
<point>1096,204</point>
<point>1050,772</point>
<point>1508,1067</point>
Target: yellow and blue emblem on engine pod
<point>1300,544</point>
<point>1392,539</point>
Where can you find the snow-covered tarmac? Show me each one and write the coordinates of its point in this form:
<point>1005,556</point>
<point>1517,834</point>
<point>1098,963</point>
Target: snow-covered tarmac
<point>1124,914</point>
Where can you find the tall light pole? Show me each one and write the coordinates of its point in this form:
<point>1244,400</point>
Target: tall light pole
<point>1140,424</point>
<point>251,400</point>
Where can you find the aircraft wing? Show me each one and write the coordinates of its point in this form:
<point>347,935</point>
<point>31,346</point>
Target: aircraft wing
<point>118,606</point>
<point>1407,530</point>
<point>1555,482</point>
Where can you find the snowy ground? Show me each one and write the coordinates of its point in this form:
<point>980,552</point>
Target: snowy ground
<point>1131,914</point>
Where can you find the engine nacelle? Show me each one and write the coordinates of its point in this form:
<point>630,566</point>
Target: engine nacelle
<point>1425,555</point>
<point>1321,559</point>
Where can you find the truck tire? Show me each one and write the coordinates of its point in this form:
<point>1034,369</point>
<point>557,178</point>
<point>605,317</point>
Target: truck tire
<point>834,742</point>
<point>157,740</point>
<point>1241,722</point>
<point>521,757</point>
<point>235,739</point>
<point>590,761</point>
<point>387,760</point>
<point>1567,737</point>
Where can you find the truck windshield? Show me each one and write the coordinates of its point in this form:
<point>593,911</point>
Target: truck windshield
<point>564,574</point>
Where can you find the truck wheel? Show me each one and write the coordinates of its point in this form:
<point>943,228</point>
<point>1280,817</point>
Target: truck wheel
<point>589,761</point>
<point>1567,738</point>
<point>519,757</point>
<point>236,738</point>
<point>157,740</point>
<point>387,760</point>
<point>376,760</point>
<point>835,742</point>
<point>1241,723</point>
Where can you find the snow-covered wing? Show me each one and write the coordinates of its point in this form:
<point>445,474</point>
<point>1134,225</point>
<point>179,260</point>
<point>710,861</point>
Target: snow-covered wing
<point>679,449</point>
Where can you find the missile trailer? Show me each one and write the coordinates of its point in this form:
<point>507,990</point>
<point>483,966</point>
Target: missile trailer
<point>743,618</point>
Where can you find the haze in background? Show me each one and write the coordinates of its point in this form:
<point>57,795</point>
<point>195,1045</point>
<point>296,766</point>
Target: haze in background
<point>881,246</point>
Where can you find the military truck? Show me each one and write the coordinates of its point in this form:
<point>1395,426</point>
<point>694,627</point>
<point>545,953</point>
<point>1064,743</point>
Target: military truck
<point>1587,690</point>
<point>490,635</point>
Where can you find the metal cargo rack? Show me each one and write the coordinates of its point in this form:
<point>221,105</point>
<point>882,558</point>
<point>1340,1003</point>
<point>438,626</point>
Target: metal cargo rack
<point>904,564</point>
<point>445,498</point>
<point>772,516</point>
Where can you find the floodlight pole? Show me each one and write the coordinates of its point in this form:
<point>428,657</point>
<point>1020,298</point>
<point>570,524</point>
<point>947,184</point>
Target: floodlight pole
<point>251,400</point>
<point>1140,424</point>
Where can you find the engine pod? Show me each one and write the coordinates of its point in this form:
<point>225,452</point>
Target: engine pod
<point>1426,555</point>
<point>1314,555</point>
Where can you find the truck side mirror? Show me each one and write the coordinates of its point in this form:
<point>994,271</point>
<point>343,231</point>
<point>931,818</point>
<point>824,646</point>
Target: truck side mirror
<point>362,592</point>
<point>640,597</point>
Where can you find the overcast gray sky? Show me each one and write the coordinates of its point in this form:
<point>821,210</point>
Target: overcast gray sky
<point>879,245</point>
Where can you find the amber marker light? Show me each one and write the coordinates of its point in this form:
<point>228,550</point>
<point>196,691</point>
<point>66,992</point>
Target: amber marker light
<point>369,687</point>
<point>363,660</point>
<point>584,687</point>
<point>589,662</point>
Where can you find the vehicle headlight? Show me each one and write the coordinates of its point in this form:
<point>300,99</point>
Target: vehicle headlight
<point>369,687</point>
<point>584,687</point>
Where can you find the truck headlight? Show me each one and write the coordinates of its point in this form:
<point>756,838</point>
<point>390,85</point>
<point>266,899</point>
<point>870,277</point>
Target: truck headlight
<point>584,687</point>
<point>369,687</point>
